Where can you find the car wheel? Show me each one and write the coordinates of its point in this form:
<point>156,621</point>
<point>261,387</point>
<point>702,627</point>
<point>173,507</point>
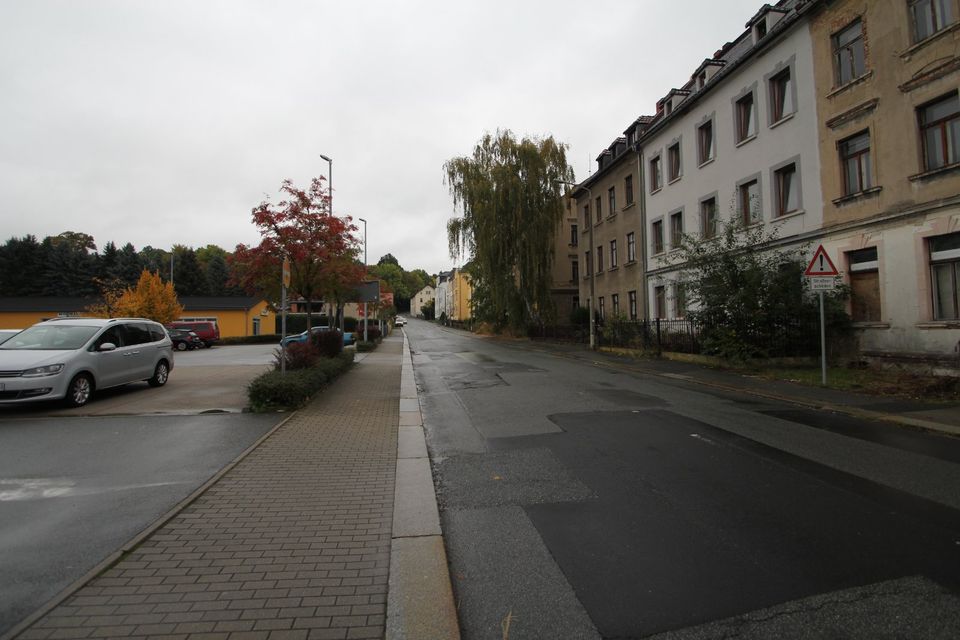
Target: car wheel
<point>160,374</point>
<point>181,346</point>
<point>79,390</point>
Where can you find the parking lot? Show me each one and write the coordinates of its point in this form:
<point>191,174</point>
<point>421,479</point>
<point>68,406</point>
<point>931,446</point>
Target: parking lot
<point>202,381</point>
<point>76,484</point>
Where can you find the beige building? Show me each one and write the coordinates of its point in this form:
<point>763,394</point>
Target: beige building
<point>610,230</point>
<point>460,296</point>
<point>424,296</point>
<point>565,271</point>
<point>886,80</point>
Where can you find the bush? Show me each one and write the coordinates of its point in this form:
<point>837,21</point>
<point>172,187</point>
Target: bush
<point>328,343</point>
<point>274,390</point>
<point>580,316</point>
<point>363,347</point>
<point>300,355</point>
<point>350,324</point>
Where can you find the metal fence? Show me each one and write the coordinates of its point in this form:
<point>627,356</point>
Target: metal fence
<point>789,337</point>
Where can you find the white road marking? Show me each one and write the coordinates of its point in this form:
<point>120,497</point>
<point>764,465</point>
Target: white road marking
<point>18,489</point>
<point>700,437</point>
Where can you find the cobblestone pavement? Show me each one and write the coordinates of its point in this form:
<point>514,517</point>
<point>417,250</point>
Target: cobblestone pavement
<point>292,543</point>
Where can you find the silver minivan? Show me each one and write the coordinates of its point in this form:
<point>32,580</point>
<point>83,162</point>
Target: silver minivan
<point>71,358</point>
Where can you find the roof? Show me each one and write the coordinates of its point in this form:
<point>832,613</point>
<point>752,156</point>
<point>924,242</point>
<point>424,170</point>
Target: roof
<point>66,304</point>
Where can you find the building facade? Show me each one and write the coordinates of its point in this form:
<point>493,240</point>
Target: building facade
<point>422,297</point>
<point>886,85</point>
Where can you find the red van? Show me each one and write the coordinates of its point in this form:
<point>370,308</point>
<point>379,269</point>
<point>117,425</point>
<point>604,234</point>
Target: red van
<point>208,330</point>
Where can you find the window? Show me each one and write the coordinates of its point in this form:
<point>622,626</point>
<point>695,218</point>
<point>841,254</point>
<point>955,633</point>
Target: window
<point>748,196</point>
<point>631,247</point>
<point>575,270</point>
<point>855,163</point>
<point>864,285</point>
<point>660,301</point>
<point>599,259</point>
<point>574,235</point>
<point>676,229</point>
<point>708,218</point>
<point>613,254</point>
<point>628,189</point>
<point>615,304</point>
<point>929,16</point>
<point>787,188</point>
<point>612,200</point>
<point>849,58</point>
<point>674,169</point>
<point>599,210</point>
<point>680,299</point>
<point>746,118</point>
<point>576,303</point>
<point>602,312</point>
<point>656,176</point>
<point>705,142</point>
<point>632,301</point>
<point>944,267</point>
<point>587,261</point>
<point>657,235</point>
<point>781,95</point>
<point>940,132</point>
<point>586,215</point>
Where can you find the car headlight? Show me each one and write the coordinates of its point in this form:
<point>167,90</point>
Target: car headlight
<point>39,372</point>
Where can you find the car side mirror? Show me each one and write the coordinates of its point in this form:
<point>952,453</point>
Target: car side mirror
<point>107,346</point>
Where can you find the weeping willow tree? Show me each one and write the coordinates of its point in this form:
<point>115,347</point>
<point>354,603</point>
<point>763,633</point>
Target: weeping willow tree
<point>508,194</point>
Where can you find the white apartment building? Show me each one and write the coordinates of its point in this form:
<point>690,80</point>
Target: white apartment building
<point>422,297</point>
<point>736,141</point>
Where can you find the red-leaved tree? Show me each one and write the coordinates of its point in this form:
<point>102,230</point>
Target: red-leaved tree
<point>321,247</point>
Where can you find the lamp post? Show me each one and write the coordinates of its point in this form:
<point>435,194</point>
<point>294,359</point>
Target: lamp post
<point>329,189</point>
<point>593,272</point>
<point>365,319</point>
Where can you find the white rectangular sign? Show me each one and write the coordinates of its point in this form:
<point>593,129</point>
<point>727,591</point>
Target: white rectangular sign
<point>826,283</point>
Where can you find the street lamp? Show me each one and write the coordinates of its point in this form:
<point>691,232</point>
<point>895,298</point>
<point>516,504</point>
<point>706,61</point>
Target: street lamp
<point>330,192</point>
<point>593,272</point>
<point>365,318</point>
<point>329,179</point>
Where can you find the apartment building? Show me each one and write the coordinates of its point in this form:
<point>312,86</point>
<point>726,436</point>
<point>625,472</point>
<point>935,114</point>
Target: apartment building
<point>565,268</point>
<point>734,143</point>
<point>610,225</point>
<point>886,87</point>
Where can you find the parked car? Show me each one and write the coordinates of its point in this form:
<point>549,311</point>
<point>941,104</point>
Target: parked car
<point>183,339</point>
<point>348,338</point>
<point>71,358</point>
<point>208,330</point>
<point>6,334</point>
<point>399,321</point>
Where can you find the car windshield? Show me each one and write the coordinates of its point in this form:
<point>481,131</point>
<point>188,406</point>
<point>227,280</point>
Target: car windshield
<point>50,337</point>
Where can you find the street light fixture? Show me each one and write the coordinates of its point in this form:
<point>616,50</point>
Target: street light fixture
<point>330,192</point>
<point>366,320</point>
<point>593,272</point>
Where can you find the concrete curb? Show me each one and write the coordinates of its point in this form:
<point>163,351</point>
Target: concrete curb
<point>420,599</point>
<point>131,544</point>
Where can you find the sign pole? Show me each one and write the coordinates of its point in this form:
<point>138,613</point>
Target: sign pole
<point>284,283</point>
<point>823,344</point>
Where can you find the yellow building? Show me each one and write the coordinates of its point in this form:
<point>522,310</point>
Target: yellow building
<point>236,316</point>
<point>461,293</point>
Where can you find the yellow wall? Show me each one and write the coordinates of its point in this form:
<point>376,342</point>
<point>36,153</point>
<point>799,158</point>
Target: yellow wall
<point>232,322</point>
<point>462,292</point>
<point>238,322</point>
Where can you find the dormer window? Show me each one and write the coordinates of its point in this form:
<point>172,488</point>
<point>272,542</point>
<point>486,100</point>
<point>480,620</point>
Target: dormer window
<point>761,29</point>
<point>669,106</point>
<point>701,79</point>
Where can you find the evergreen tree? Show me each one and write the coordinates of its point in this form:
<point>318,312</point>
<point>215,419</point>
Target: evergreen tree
<point>129,265</point>
<point>21,262</point>
<point>188,279</point>
<point>217,276</point>
<point>69,269</point>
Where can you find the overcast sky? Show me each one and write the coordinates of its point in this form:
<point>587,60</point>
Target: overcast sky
<point>166,122</point>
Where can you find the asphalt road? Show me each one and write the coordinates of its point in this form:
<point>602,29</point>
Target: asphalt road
<point>581,500</point>
<point>75,485</point>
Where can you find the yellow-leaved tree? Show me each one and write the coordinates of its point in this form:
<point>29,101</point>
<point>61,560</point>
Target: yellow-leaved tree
<point>151,298</point>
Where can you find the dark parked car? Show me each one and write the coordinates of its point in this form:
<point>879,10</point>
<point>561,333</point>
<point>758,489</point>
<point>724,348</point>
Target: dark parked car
<point>302,337</point>
<point>183,339</point>
<point>208,330</point>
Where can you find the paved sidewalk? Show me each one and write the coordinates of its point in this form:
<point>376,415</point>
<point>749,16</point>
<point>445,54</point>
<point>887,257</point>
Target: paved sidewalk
<point>291,543</point>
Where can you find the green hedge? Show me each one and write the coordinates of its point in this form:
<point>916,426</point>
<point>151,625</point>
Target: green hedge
<point>363,347</point>
<point>273,390</point>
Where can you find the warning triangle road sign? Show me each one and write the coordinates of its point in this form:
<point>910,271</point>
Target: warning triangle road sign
<point>821,265</point>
